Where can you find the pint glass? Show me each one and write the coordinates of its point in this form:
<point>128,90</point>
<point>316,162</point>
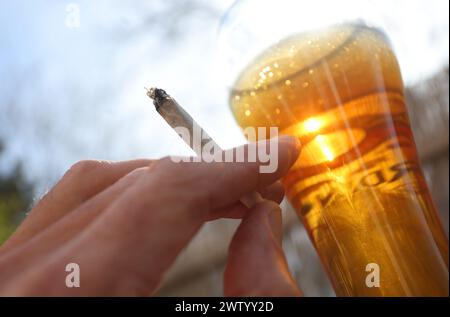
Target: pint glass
<point>357,186</point>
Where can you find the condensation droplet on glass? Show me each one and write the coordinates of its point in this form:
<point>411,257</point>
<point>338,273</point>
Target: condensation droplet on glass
<point>237,97</point>
<point>252,94</point>
<point>305,84</point>
<point>287,82</point>
<point>311,71</point>
<point>277,111</point>
<point>248,113</point>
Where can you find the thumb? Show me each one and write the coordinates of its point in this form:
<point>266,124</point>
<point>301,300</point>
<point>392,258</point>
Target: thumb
<point>256,263</point>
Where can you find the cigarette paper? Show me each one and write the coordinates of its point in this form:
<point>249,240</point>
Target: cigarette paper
<point>177,117</point>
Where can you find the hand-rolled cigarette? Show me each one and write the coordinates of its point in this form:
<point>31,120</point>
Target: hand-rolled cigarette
<point>177,117</point>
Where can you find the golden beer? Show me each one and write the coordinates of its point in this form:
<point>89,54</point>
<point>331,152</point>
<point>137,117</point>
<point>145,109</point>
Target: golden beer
<point>357,185</point>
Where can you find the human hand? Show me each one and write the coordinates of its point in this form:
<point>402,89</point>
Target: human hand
<point>125,223</point>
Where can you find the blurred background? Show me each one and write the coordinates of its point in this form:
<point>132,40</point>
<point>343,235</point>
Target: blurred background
<point>72,87</point>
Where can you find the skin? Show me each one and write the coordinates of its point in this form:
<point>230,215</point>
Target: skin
<point>124,223</point>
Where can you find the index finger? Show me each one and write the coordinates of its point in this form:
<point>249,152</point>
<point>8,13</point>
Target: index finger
<point>219,184</point>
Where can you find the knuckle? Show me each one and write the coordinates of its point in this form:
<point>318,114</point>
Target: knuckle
<point>164,160</point>
<point>85,167</point>
<point>173,170</point>
<point>136,173</point>
<point>183,178</point>
<point>164,163</point>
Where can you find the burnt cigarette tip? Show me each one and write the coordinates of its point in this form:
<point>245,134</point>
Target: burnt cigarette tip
<point>158,95</point>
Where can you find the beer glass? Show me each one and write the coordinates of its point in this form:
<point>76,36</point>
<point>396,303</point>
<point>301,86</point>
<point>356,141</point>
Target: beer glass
<point>357,186</point>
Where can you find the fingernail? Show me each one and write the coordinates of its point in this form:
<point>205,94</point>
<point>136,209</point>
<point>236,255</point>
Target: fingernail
<point>275,222</point>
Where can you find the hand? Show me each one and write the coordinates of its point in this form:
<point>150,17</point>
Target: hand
<point>125,223</point>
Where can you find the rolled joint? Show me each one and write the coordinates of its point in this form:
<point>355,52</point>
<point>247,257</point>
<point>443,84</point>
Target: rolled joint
<point>157,95</point>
